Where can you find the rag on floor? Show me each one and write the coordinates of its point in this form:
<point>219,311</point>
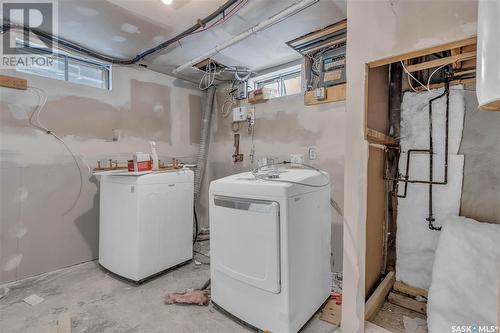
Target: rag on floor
<point>190,296</point>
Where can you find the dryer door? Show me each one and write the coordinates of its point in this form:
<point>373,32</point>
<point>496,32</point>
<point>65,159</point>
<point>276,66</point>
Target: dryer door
<point>245,243</point>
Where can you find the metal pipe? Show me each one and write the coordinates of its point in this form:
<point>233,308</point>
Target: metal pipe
<point>292,10</point>
<point>6,26</point>
<point>446,92</point>
<point>430,219</point>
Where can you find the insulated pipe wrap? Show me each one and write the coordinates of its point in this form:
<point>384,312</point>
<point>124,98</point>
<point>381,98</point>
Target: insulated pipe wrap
<point>204,141</point>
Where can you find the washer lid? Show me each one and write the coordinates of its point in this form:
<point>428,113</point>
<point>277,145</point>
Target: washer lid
<point>286,185</point>
<point>161,177</point>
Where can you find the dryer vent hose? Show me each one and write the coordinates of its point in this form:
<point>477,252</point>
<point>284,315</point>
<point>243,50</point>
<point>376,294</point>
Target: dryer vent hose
<point>204,142</point>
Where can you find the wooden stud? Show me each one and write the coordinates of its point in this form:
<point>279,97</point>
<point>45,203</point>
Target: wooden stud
<point>408,303</point>
<point>454,52</point>
<point>442,61</point>
<point>454,82</point>
<point>380,138</point>
<point>377,299</point>
<point>13,82</point>
<point>466,72</point>
<point>410,290</point>
<point>423,52</point>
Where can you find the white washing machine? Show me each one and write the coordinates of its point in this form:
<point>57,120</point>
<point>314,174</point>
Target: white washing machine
<point>146,222</point>
<point>270,248</point>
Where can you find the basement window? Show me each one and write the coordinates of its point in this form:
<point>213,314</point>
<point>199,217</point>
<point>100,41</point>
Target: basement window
<point>69,68</point>
<point>280,83</point>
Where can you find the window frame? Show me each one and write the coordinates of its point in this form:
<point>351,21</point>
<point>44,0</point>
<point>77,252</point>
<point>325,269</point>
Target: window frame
<point>279,76</point>
<point>66,58</point>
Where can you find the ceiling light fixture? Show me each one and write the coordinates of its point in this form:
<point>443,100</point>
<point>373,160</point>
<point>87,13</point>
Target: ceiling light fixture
<point>167,2</point>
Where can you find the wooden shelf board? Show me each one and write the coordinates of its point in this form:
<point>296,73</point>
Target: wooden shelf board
<point>333,94</point>
<point>13,82</point>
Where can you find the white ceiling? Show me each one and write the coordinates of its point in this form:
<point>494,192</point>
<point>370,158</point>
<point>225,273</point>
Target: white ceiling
<point>124,28</point>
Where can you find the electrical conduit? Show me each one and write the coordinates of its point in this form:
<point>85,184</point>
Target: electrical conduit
<point>284,14</point>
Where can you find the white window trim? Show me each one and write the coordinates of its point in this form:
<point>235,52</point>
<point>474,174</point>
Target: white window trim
<point>67,56</point>
<point>276,74</point>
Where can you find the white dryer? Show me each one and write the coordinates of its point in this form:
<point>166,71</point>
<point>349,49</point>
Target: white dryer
<point>146,222</point>
<point>270,248</point>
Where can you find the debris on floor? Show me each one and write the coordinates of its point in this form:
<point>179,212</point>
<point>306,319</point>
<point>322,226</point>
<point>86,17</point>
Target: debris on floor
<point>33,300</point>
<point>414,325</point>
<point>190,296</point>
<point>391,317</point>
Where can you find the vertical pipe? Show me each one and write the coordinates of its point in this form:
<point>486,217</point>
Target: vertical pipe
<point>430,219</point>
<point>204,142</point>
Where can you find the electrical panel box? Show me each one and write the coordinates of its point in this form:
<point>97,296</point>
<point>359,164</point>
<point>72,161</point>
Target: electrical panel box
<point>333,67</point>
<point>242,90</point>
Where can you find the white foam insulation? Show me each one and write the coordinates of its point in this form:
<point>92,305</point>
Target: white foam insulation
<point>464,289</point>
<point>415,120</point>
<point>415,242</point>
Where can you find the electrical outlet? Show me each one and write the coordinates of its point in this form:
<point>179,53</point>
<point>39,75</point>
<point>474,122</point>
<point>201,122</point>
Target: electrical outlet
<point>239,114</point>
<point>313,153</point>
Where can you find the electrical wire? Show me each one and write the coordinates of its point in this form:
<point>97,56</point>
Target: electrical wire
<point>208,78</point>
<point>34,120</point>
<point>224,18</point>
<point>255,173</point>
<point>230,101</point>
<point>333,203</point>
<point>195,225</point>
<point>414,78</point>
<point>69,45</point>
<point>242,78</point>
<point>434,72</point>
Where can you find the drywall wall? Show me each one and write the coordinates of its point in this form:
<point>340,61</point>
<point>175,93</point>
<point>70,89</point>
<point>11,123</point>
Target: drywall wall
<point>283,126</point>
<point>42,227</point>
<point>376,30</point>
<point>481,147</point>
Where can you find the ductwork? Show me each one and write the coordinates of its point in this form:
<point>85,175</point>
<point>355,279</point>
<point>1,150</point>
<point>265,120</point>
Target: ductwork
<point>204,142</point>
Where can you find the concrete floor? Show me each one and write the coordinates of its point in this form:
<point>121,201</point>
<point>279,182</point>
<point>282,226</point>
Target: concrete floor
<point>99,302</point>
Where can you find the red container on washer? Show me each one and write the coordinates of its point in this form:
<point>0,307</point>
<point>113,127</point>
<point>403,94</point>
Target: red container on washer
<point>141,162</point>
